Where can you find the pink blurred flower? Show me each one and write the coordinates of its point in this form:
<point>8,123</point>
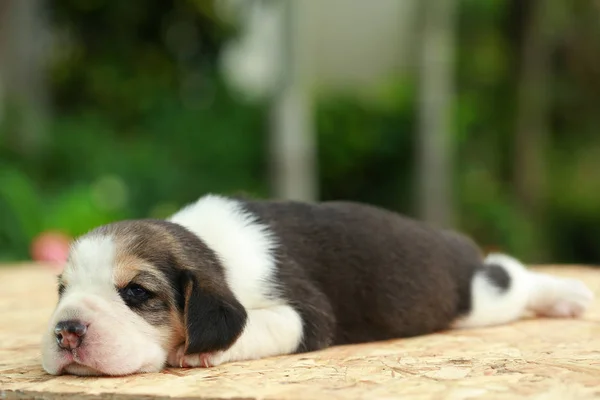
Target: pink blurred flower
<point>51,249</point>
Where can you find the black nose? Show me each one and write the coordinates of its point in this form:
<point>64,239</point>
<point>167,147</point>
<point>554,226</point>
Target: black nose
<point>69,334</point>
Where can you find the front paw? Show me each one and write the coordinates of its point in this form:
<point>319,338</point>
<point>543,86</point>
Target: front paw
<point>177,358</point>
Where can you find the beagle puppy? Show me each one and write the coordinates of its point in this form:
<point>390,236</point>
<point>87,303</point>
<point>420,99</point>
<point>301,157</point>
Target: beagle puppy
<point>227,280</point>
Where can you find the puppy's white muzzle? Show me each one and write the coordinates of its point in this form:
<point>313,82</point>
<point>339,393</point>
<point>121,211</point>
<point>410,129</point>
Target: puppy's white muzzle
<point>97,334</point>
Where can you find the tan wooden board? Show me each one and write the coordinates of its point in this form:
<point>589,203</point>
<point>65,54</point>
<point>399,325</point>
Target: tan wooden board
<point>533,359</point>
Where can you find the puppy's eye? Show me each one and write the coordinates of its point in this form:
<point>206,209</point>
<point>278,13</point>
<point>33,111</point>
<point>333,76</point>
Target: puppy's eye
<point>134,294</point>
<point>61,289</point>
<point>136,291</point>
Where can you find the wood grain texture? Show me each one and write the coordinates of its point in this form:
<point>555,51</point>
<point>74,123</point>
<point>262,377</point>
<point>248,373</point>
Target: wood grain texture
<point>533,359</point>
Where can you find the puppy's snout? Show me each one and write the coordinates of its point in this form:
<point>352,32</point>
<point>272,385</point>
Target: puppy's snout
<point>69,334</point>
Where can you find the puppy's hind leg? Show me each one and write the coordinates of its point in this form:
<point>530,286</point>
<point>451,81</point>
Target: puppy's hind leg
<point>503,290</point>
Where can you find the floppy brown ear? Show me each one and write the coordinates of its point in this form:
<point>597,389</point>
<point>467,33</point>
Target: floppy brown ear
<point>213,321</point>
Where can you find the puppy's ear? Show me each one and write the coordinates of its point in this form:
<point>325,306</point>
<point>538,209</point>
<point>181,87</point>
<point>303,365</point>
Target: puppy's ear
<point>213,321</point>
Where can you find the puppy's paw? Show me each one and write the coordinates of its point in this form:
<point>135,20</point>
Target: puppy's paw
<point>177,358</point>
<point>202,360</point>
<point>562,297</point>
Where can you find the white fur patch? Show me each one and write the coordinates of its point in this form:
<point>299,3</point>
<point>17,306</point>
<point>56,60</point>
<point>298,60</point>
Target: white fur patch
<point>528,291</point>
<point>244,246</point>
<point>91,262</point>
<point>491,306</point>
<point>269,332</point>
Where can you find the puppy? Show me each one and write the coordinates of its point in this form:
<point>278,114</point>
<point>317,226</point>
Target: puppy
<point>227,280</point>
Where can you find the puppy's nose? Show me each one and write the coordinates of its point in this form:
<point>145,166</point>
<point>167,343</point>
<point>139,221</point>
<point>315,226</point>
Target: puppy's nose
<point>69,334</point>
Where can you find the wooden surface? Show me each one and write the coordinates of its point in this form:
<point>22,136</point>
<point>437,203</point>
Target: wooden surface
<point>533,359</point>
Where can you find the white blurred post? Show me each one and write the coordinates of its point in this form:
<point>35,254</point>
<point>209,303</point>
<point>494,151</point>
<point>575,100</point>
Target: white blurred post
<point>23,38</point>
<point>293,149</point>
<point>435,161</point>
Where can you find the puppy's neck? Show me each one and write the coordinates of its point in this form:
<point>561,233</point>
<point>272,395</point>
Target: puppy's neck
<point>243,244</point>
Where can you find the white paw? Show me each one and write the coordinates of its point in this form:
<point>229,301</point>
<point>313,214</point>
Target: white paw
<point>177,358</point>
<point>561,297</point>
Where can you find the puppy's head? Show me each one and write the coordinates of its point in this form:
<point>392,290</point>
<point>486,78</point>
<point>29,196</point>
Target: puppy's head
<point>131,293</point>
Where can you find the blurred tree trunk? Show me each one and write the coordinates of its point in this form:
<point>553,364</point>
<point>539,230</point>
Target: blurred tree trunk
<point>435,147</point>
<point>23,39</point>
<point>293,149</point>
<point>533,112</point>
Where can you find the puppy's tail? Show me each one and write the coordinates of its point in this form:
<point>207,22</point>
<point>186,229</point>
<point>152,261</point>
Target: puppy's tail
<point>503,290</point>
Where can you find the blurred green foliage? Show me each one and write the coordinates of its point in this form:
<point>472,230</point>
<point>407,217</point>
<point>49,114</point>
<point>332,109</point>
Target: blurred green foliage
<point>142,123</point>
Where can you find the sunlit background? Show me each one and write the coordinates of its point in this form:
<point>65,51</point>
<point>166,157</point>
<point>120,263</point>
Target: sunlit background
<point>481,115</point>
